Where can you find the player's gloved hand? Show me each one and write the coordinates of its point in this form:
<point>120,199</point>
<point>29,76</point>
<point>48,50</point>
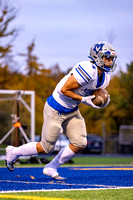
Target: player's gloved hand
<point>88,101</point>
<point>106,103</point>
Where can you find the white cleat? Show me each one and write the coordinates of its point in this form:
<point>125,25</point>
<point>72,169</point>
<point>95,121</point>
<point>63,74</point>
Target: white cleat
<point>52,173</point>
<point>9,164</point>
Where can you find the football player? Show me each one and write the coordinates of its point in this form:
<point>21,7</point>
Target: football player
<point>61,109</point>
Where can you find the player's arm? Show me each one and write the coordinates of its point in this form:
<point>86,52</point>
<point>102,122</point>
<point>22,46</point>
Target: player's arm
<point>68,88</point>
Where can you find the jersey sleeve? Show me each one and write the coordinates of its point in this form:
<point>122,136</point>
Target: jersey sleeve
<point>84,72</point>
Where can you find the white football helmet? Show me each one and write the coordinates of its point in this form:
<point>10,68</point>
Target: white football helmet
<point>101,49</point>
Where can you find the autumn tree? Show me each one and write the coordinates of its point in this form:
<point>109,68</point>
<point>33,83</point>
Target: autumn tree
<point>126,81</point>
<point>7,36</point>
<point>32,64</point>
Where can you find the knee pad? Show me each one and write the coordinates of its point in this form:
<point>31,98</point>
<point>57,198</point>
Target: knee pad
<point>48,147</point>
<point>81,142</point>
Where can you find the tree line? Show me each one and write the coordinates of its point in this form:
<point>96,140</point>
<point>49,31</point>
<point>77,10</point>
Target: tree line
<point>43,81</point>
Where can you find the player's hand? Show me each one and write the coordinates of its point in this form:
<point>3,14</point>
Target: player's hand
<point>88,101</point>
<point>106,103</point>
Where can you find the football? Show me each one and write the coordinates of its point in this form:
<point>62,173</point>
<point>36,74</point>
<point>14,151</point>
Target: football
<point>101,97</point>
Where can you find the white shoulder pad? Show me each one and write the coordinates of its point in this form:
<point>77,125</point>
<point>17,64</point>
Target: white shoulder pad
<point>84,72</point>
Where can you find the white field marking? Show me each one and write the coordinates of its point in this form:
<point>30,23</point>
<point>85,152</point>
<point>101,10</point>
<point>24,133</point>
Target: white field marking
<point>57,190</point>
<point>56,183</point>
<point>63,183</point>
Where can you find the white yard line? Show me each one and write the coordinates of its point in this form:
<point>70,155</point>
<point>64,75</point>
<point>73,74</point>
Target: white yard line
<point>43,190</point>
<point>100,187</point>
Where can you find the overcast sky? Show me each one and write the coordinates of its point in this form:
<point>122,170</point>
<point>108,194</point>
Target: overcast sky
<point>64,30</point>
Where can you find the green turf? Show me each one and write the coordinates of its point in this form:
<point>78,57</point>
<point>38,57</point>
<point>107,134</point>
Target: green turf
<point>103,160</point>
<point>90,161</point>
<point>108,194</point>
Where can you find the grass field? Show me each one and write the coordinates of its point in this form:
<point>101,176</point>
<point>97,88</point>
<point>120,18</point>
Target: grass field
<point>103,194</point>
<point>108,194</point>
<point>91,161</point>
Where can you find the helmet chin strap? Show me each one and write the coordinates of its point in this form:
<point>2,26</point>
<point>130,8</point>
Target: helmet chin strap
<point>104,68</point>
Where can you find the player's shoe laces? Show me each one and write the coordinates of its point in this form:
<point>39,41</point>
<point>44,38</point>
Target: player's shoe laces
<point>52,173</point>
<point>9,164</point>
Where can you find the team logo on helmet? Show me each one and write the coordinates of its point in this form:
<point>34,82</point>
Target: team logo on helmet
<point>98,47</point>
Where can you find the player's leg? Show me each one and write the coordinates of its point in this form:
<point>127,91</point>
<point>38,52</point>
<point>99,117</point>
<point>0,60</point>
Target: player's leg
<point>51,129</point>
<point>50,133</point>
<point>12,153</point>
<point>31,148</point>
<point>63,156</point>
<point>76,131</point>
